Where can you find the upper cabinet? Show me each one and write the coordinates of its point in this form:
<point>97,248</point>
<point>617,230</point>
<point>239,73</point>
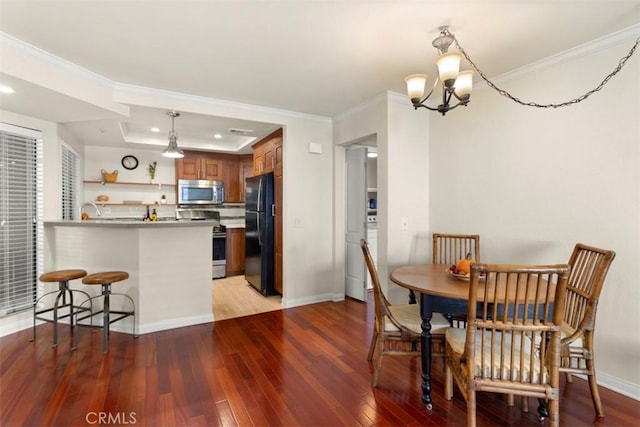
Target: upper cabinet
<point>264,155</point>
<point>231,169</point>
<point>246,171</point>
<point>198,166</point>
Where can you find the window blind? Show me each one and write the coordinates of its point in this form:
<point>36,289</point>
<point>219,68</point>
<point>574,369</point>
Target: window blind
<point>21,233</point>
<point>70,180</point>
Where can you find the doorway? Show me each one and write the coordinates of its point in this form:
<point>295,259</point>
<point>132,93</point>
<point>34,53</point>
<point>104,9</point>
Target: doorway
<point>361,203</point>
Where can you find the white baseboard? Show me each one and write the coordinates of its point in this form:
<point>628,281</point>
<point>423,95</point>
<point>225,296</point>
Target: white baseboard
<point>618,385</point>
<point>11,325</point>
<point>168,324</point>
<point>18,324</point>
<point>307,300</point>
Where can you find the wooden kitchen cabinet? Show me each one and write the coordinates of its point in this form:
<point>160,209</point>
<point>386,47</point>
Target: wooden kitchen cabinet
<point>258,160</point>
<point>245,170</point>
<point>198,166</point>
<point>277,157</point>
<point>218,167</point>
<point>264,158</point>
<point>235,251</point>
<point>279,187</point>
<point>230,177</point>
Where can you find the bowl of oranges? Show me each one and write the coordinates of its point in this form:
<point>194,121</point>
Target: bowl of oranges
<point>462,269</point>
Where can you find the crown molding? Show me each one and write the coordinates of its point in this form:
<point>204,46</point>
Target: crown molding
<point>128,89</point>
<point>585,49</point>
<point>41,55</point>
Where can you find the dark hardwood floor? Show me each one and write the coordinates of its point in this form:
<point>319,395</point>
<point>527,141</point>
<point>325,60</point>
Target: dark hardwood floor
<point>302,366</point>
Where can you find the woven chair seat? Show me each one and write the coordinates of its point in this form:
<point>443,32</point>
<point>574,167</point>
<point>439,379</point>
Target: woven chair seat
<point>456,339</point>
<point>409,316</point>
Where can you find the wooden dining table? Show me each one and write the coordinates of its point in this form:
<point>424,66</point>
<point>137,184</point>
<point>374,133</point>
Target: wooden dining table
<point>440,292</point>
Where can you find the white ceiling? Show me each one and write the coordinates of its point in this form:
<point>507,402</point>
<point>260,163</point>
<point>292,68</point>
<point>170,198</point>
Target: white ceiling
<point>314,57</point>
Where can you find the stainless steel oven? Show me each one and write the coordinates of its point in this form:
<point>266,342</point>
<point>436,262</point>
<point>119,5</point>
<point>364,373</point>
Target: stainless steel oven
<point>219,262</point>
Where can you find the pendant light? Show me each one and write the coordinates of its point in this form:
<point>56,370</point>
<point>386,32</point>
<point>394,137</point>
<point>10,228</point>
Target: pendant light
<point>172,149</point>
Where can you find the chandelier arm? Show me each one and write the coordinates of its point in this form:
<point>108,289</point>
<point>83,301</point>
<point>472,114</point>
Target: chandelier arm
<point>431,91</point>
<point>506,94</point>
<point>416,106</point>
<point>455,106</point>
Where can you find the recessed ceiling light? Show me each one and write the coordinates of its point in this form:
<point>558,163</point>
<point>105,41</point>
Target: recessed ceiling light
<point>217,136</point>
<point>6,89</point>
<point>155,129</point>
<point>372,154</point>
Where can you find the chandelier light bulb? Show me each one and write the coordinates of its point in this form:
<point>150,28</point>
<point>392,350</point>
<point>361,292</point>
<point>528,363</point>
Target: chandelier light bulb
<point>449,67</point>
<point>415,86</point>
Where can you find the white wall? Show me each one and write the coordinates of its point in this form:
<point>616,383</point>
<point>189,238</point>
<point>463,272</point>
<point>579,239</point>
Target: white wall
<point>534,182</point>
<point>109,158</point>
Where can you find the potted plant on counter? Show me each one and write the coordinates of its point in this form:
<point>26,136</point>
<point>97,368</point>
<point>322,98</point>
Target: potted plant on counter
<point>152,171</point>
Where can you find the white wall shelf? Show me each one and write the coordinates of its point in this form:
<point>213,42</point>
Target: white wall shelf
<point>130,204</point>
<point>159,185</point>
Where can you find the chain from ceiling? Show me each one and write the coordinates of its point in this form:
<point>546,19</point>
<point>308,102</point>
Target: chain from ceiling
<point>504,93</point>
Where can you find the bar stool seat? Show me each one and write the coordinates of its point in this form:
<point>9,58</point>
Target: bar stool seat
<point>105,279</point>
<point>62,277</point>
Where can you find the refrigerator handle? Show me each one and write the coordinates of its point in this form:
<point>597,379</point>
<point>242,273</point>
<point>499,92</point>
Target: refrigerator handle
<point>259,232</point>
<point>259,207</point>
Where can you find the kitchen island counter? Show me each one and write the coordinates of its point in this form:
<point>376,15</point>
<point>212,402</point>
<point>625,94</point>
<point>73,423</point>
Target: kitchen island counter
<point>130,223</point>
<point>169,265</point>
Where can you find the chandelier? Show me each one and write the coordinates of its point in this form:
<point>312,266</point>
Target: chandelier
<point>455,83</point>
<point>459,84</point>
<point>172,149</point>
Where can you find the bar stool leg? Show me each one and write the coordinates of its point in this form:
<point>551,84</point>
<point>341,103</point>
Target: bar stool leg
<point>55,317</point>
<point>106,290</point>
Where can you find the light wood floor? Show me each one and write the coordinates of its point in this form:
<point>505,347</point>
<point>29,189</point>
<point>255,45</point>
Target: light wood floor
<point>234,297</point>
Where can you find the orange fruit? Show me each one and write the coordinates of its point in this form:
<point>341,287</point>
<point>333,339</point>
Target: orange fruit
<point>464,265</point>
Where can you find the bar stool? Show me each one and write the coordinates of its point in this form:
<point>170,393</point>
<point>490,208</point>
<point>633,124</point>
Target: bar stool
<point>106,279</point>
<point>62,277</point>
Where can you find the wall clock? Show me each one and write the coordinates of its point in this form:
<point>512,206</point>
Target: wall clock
<point>129,162</point>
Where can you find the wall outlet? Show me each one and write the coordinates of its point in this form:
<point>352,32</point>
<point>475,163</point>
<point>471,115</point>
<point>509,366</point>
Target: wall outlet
<point>404,223</point>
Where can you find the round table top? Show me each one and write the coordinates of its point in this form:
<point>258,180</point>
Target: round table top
<point>432,279</point>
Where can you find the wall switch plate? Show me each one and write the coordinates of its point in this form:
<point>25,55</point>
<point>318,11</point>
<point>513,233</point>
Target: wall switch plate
<point>404,223</point>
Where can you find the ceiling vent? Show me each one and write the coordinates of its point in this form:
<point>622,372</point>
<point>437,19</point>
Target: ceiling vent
<point>236,131</point>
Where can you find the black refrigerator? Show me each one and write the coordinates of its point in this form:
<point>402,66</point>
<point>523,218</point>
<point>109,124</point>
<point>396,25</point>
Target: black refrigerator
<point>259,233</point>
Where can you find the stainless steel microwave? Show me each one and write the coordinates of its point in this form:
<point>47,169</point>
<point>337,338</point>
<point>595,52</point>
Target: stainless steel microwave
<point>200,192</point>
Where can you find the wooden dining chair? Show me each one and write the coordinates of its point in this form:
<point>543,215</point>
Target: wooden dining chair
<point>512,339</point>
<point>589,267</point>
<point>397,328</point>
<point>449,249</point>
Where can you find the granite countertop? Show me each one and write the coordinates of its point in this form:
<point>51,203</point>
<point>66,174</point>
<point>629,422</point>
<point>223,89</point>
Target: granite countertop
<point>130,223</point>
